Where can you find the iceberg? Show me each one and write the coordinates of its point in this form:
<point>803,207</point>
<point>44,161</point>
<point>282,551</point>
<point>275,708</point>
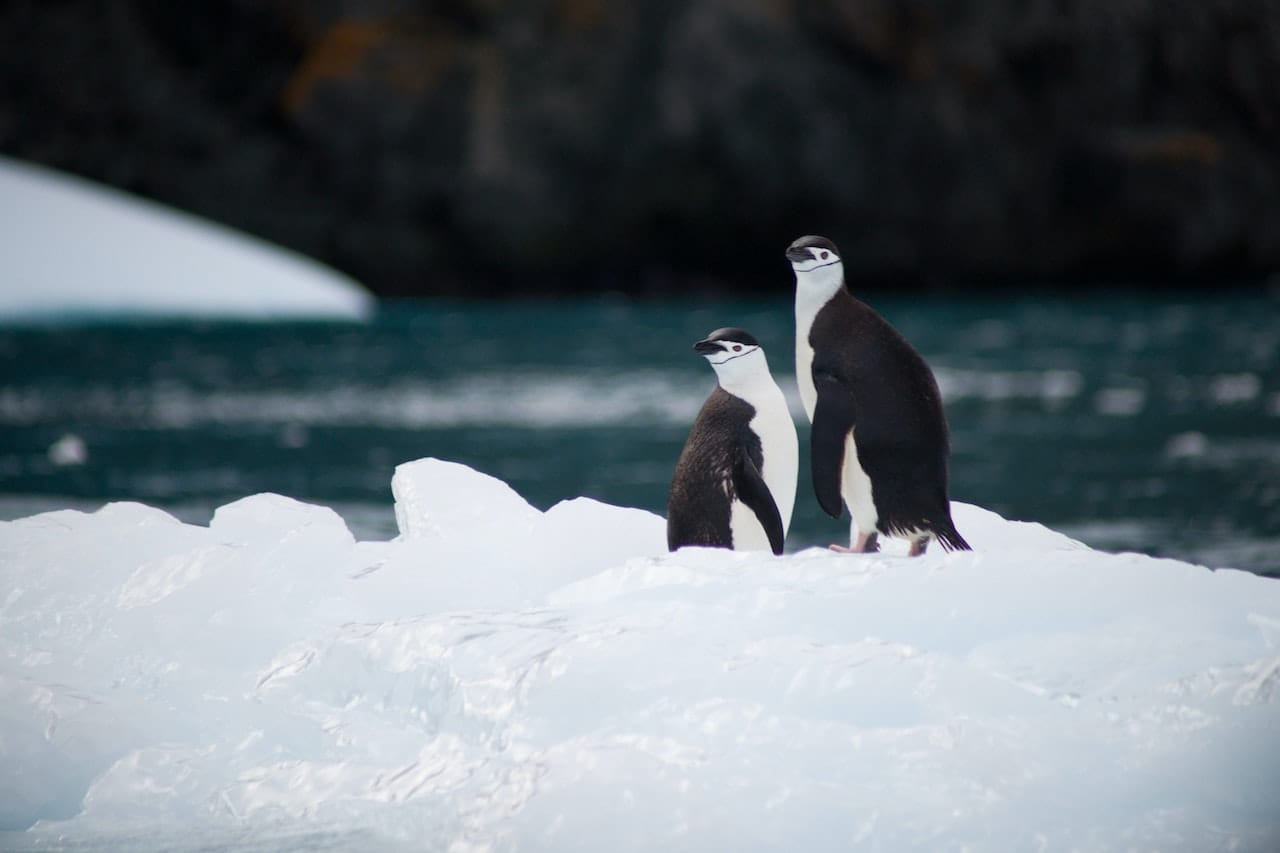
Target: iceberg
<point>73,248</point>
<point>501,678</point>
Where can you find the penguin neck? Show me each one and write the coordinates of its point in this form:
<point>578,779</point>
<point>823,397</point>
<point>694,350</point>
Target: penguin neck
<point>750,382</point>
<point>814,289</point>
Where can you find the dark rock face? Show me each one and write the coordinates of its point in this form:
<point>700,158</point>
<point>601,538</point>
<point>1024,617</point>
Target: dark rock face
<point>462,147</point>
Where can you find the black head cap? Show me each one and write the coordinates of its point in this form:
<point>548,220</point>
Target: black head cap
<point>715,341</point>
<point>806,248</point>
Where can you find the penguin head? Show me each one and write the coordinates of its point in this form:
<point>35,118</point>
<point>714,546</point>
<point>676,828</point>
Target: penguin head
<point>811,251</point>
<point>734,354</point>
<point>817,265</point>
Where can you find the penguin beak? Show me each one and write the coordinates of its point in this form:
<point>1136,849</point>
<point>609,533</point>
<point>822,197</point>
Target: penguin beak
<point>796,254</point>
<point>707,347</point>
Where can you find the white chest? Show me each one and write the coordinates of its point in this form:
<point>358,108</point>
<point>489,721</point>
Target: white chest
<point>804,374</point>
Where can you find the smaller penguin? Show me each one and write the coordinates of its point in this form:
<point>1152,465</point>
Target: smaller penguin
<point>735,482</point>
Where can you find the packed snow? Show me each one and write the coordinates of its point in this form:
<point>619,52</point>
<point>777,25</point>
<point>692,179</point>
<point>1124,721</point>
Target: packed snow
<point>501,678</point>
<point>75,248</point>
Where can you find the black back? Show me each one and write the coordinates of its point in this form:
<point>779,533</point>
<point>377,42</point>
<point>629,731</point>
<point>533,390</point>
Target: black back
<point>721,460</point>
<point>871,379</point>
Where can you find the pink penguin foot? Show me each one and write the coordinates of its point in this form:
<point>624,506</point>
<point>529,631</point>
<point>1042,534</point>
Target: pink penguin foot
<point>866,543</point>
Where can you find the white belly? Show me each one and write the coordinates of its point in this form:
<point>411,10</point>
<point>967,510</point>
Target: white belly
<point>748,532</point>
<point>855,488</point>
<point>781,451</point>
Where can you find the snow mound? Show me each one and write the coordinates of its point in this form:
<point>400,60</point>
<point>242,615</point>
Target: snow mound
<point>499,678</point>
<point>75,248</point>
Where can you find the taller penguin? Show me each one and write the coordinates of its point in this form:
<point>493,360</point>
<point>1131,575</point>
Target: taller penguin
<point>735,482</point>
<point>879,437</point>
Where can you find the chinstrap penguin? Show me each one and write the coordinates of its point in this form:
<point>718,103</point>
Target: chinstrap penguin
<point>735,482</point>
<point>879,436</point>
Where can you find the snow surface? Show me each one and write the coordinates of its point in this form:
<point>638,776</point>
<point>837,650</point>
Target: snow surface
<point>72,247</point>
<point>500,678</point>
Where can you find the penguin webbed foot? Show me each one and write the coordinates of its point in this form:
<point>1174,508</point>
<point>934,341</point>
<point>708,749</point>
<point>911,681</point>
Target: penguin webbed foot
<point>866,543</point>
<point>870,544</point>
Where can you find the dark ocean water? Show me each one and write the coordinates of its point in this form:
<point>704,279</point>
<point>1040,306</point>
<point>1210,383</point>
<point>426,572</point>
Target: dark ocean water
<point>1129,421</point>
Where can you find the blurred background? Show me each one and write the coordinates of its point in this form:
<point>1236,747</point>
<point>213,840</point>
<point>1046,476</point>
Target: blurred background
<point>1073,210</point>
<point>429,147</point>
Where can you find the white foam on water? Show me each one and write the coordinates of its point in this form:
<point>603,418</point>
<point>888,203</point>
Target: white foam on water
<point>515,399</point>
<point>1049,386</point>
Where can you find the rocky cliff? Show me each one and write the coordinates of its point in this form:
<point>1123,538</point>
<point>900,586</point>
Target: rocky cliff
<point>480,146</point>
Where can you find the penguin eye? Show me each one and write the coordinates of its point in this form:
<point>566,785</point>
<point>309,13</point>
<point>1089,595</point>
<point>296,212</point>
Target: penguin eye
<point>824,255</point>
<point>737,347</point>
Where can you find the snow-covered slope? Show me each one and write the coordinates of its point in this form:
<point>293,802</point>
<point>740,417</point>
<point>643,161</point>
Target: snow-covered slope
<point>499,678</point>
<point>75,248</point>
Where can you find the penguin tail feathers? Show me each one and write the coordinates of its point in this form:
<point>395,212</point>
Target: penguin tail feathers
<point>951,540</point>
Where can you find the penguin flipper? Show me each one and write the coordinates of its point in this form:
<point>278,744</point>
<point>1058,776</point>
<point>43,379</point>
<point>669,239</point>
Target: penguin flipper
<point>833,418</point>
<point>754,492</point>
